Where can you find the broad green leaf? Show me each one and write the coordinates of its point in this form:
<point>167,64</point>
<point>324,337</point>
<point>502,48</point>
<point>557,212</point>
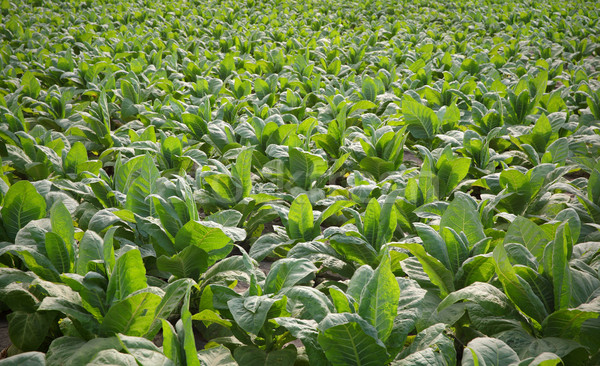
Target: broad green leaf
<point>91,247</point>
<point>191,262</point>
<point>224,187</point>
<point>22,204</point>
<point>249,355</point>
<point>173,295</point>
<point>480,268</point>
<point>128,276</point>
<point>288,272</point>
<point>520,189</point>
<point>347,339</point>
<point>250,313</point>
<point>566,323</point>
<point>210,239</point>
<point>359,280</point>
<point>216,356</point>
<point>369,89</point>
<point>142,187</point>
<point>70,351</point>
<point>489,352</point>
<point>171,150</point>
<point>25,359</point>
<point>76,156</point>
<point>307,302</point>
<point>438,274</point>
<point>421,121</point>
<point>379,299</point>
<point>560,270</point>
<point>31,85</point>
<point>517,289</point>
<point>306,331</point>
<point>27,331</point>
<point>524,231</point>
<point>208,317</point>
<point>171,347</point>
<point>371,221</point>
<point>432,337</point>
<point>461,216</point>
<point>433,243</point>
<point>300,219</point>
<point>112,357</point>
<point>242,169</point>
<point>62,224</point>
<point>58,253</point>
<point>144,351</point>
<point>134,314</point>
<point>306,167</point>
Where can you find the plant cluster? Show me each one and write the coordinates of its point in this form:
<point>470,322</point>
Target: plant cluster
<point>284,182</point>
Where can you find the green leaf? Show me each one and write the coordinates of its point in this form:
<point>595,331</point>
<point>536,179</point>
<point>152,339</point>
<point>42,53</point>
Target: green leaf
<point>421,121</point>
<point>31,86</point>
<point>27,331</point>
<point>190,262</point>
<point>438,274</point>
<point>566,323</point>
<point>484,295</point>
<point>25,359</point>
<point>171,346</point>
<point>434,337</point>
<point>305,167</point>
<point>144,351</point>
<point>371,222</point>
<point>62,224</point>
<point>133,315</point>
<point>216,356</point>
<point>208,317</point>
<point>347,339</point>
<point>108,249</point>
<point>76,156</point>
<point>112,357</point>
<point>91,247</point>
<point>251,356</point>
<point>517,289</point>
<point>520,189</point>
<point>22,204</point>
<point>379,299</point>
<point>524,231</point>
<point>461,215</point>
<point>593,186</point>
<point>224,187</point>
<point>300,219</point>
<point>70,351</point>
<point>433,243</point>
<point>142,187</point>
<point>489,352</point>
<point>558,266</point>
<point>307,303</point>
<point>171,150</point>
<point>480,268</point>
<point>250,313</point>
<point>174,293</point>
<point>242,170</point>
<point>129,276</point>
<point>288,272</point>
<point>210,239</point>
<point>306,331</point>
<point>58,253</point>
<point>369,89</point>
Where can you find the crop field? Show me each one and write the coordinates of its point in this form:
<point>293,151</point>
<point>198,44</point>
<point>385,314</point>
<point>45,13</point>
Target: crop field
<point>300,182</point>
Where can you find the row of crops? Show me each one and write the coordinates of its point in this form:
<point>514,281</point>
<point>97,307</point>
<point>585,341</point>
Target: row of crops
<point>284,182</point>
